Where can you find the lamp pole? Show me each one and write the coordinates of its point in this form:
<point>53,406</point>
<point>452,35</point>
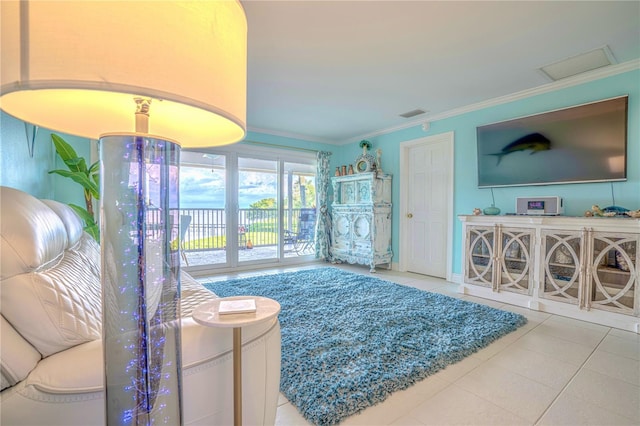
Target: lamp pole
<point>140,276</point>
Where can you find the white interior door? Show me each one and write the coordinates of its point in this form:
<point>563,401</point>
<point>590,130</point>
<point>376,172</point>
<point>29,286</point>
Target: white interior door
<point>426,205</point>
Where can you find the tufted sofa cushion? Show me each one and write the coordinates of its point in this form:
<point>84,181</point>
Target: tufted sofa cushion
<point>49,276</point>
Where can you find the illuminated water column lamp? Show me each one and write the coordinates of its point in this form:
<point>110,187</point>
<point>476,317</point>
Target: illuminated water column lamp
<point>87,69</point>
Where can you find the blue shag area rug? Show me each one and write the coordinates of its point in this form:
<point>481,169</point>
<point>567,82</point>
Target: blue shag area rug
<point>350,340</point>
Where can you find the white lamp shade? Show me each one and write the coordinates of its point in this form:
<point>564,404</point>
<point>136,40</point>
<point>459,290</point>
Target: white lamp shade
<point>75,66</point>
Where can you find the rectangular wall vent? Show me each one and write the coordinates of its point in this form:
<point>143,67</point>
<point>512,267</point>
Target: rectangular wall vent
<point>413,113</point>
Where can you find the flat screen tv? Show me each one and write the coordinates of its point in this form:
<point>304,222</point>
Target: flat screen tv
<point>583,143</point>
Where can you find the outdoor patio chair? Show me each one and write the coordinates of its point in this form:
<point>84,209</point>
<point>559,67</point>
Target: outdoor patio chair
<point>303,241</point>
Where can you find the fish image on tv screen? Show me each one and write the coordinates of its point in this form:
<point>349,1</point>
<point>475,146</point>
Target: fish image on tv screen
<point>584,143</point>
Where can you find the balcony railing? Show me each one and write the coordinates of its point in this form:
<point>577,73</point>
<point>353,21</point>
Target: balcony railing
<point>207,229</point>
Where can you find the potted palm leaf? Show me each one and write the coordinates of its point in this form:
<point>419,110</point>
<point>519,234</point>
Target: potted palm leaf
<point>87,177</point>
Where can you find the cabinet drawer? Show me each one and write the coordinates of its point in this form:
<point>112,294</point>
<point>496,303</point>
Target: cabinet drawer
<point>362,245</point>
<point>342,244</point>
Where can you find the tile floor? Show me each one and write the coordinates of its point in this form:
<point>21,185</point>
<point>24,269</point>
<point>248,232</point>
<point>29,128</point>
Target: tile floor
<point>552,371</point>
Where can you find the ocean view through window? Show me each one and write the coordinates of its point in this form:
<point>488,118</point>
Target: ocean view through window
<point>246,209</point>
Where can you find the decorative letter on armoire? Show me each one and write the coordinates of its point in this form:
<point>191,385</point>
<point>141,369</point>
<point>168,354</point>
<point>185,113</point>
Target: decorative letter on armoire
<point>361,217</point>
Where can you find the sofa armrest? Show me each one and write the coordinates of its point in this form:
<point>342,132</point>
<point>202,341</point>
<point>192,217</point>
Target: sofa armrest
<point>79,369</point>
<point>17,356</point>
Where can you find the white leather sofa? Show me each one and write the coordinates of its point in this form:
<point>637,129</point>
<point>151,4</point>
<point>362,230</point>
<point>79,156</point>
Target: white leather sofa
<point>51,348</point>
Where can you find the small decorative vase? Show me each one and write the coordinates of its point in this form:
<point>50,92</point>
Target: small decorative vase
<point>338,171</point>
<point>350,169</point>
<point>344,171</point>
<point>491,211</point>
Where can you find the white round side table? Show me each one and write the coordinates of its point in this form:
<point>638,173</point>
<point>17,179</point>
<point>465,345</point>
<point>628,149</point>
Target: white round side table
<point>207,314</point>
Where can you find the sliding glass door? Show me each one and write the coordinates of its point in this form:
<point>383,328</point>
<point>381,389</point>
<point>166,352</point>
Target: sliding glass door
<point>242,209</point>
<point>257,199</point>
<point>203,206</point>
<point>299,209</point>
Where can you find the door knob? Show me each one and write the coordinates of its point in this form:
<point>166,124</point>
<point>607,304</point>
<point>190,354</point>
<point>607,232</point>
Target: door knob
<point>409,215</point>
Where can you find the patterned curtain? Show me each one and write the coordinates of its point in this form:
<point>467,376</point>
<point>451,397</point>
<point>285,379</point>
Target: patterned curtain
<point>323,225</point>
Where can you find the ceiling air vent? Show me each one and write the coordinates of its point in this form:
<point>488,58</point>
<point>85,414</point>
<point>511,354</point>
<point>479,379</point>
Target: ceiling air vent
<point>578,64</point>
<point>413,113</point>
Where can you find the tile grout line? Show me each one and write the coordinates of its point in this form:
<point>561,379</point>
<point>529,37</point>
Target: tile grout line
<point>455,382</point>
<point>564,388</point>
<point>562,391</point>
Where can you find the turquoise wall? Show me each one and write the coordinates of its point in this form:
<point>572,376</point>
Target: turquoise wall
<point>20,171</point>
<point>577,197</point>
<point>17,168</point>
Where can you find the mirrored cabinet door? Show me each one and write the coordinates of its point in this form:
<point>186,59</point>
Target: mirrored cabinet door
<point>480,253</point>
<point>561,270</point>
<point>516,250</point>
<point>614,274</point>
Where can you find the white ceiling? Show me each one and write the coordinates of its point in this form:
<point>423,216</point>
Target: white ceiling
<point>335,71</point>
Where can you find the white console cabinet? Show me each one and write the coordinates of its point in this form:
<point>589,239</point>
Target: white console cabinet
<point>361,219</point>
<point>585,268</point>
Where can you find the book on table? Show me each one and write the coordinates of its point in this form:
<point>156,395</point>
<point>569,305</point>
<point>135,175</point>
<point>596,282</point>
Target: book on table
<point>239,306</point>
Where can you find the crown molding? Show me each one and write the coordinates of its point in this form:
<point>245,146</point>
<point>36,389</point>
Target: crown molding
<point>292,135</point>
<point>582,78</point>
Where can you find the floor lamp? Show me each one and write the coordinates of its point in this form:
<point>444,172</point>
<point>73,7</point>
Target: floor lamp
<point>145,78</point>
